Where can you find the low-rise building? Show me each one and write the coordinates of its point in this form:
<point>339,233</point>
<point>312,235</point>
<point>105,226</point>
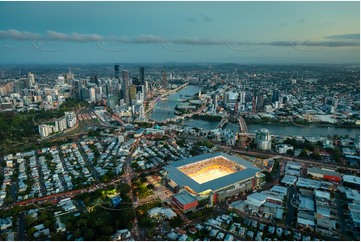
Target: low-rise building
<point>167,212</point>
<point>324,174</point>
<point>289,180</point>
<point>283,148</point>
<point>185,201</point>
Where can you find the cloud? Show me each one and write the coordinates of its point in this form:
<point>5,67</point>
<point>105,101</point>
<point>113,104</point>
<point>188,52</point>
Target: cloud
<point>282,24</point>
<point>345,40</point>
<point>302,20</point>
<point>206,18</point>
<point>147,39</point>
<point>9,47</point>
<point>201,17</point>
<point>345,36</point>
<point>192,20</point>
<point>18,35</point>
<point>76,37</point>
<point>50,35</point>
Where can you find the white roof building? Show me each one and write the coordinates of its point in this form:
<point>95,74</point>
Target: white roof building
<point>169,213</point>
<point>279,189</point>
<point>322,194</point>
<point>289,180</point>
<point>256,199</point>
<point>351,179</point>
<point>352,195</point>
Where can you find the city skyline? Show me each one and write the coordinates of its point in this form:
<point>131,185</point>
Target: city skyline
<point>215,32</point>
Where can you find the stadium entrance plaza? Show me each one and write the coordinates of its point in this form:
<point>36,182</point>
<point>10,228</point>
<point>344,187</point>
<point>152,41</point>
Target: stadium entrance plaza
<point>159,193</point>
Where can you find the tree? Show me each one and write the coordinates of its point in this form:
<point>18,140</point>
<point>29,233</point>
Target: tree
<point>108,230</point>
<point>80,223</point>
<point>268,176</point>
<point>150,186</point>
<point>290,152</point>
<point>89,235</point>
<point>176,222</point>
<point>123,188</point>
<point>77,234</point>
<point>316,156</point>
<point>303,154</point>
<point>336,155</point>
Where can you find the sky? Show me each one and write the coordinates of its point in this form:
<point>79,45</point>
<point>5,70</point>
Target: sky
<point>187,32</point>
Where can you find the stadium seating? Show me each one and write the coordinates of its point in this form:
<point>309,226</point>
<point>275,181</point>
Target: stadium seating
<point>210,169</point>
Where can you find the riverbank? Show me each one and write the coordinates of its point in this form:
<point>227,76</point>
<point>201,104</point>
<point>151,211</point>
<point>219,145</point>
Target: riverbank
<point>207,117</point>
<point>152,104</point>
<point>309,125</point>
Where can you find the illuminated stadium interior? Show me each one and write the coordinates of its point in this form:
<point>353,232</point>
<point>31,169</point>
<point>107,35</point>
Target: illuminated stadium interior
<point>210,169</point>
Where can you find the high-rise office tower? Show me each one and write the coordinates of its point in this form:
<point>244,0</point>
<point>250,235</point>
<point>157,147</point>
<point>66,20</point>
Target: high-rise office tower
<point>136,81</point>
<point>260,102</point>
<point>242,97</point>
<point>164,80</point>
<point>92,94</point>
<point>141,75</point>
<point>141,93</point>
<point>335,102</point>
<point>125,87</point>
<point>275,96</point>
<point>76,89</point>
<point>31,78</point>
<point>116,72</point>
<point>254,101</point>
<point>94,79</point>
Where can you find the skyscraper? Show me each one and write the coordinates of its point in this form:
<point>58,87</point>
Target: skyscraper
<point>275,96</point>
<point>94,79</point>
<point>116,72</point>
<point>31,79</point>
<point>125,87</point>
<point>164,82</point>
<point>92,94</point>
<point>68,77</point>
<point>76,89</point>
<point>141,75</point>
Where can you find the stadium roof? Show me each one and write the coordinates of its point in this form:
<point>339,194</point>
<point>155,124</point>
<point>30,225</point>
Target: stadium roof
<point>183,180</point>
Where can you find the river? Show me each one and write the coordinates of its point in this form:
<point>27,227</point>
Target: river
<point>160,114</point>
<point>164,109</point>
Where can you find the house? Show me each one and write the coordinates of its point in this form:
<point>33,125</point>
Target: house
<point>229,237</point>
<point>326,224</point>
<point>242,231</point>
<point>6,223</point>
<point>306,219</point>
<point>289,180</point>
<point>123,234</point>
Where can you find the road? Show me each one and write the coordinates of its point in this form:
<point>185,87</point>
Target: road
<point>21,227</point>
<point>127,178</point>
<point>89,165</point>
<point>290,208</point>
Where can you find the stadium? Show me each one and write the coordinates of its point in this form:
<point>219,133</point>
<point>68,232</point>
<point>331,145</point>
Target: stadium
<point>215,176</point>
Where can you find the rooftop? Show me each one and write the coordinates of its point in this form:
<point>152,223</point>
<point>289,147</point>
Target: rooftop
<point>184,197</point>
<point>323,171</point>
<point>351,179</point>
